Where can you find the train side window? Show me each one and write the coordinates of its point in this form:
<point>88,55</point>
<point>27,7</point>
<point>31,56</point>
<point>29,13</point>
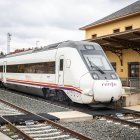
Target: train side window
<point>20,68</point>
<point>61,64</point>
<point>12,68</point>
<point>44,67</point>
<point>50,66</point>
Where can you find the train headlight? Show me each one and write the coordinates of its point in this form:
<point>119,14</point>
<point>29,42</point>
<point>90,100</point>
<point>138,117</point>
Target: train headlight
<point>95,76</point>
<point>113,76</point>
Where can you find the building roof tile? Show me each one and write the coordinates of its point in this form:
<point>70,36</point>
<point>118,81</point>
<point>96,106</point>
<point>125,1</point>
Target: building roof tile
<point>130,9</point>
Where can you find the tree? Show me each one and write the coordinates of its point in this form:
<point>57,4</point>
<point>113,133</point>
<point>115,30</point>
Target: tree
<point>1,53</point>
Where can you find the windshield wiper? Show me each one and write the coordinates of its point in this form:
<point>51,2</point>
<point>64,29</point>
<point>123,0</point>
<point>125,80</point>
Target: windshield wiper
<point>94,66</point>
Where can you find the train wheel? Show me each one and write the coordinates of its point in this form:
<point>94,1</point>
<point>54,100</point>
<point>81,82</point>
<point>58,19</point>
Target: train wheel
<point>1,85</point>
<point>56,95</point>
<point>46,92</point>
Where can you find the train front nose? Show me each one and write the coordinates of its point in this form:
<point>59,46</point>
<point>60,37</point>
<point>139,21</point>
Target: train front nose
<point>107,91</point>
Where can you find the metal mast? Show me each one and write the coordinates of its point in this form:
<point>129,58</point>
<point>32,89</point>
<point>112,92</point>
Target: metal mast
<point>8,42</point>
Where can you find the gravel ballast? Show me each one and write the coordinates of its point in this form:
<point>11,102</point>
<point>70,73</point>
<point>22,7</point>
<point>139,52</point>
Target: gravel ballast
<point>103,130</point>
<point>28,103</point>
<point>96,129</point>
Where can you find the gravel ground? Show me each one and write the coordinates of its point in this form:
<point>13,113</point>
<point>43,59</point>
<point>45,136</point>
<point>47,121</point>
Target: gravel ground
<point>96,129</point>
<point>29,103</point>
<point>102,130</point>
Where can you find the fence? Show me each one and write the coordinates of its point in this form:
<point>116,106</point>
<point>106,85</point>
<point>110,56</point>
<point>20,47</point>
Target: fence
<point>133,83</point>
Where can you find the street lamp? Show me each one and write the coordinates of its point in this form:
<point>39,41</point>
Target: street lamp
<point>8,42</point>
<point>37,44</point>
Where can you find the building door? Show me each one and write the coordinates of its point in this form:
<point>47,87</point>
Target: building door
<point>134,69</point>
<point>61,71</point>
<point>4,72</point>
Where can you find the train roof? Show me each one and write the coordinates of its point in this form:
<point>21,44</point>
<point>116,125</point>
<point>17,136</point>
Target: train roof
<point>73,44</point>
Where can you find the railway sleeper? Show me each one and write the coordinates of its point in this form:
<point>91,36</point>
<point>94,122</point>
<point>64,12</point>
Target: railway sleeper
<point>122,121</point>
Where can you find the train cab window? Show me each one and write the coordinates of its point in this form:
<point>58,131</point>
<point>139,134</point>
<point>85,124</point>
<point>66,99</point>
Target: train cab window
<point>61,64</point>
<point>89,47</point>
<point>96,60</point>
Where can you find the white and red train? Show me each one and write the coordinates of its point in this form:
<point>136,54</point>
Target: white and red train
<point>77,70</point>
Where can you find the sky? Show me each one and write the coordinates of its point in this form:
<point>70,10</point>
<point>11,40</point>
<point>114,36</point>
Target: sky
<point>42,22</point>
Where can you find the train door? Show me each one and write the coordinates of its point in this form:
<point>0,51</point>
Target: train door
<point>61,71</point>
<point>4,72</point>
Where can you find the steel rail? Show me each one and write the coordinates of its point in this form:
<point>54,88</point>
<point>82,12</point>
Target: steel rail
<point>136,115</point>
<point>64,129</point>
<point>16,107</point>
<point>123,121</point>
<point>26,136</point>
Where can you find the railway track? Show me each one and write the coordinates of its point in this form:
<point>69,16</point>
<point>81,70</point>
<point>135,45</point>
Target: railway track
<point>6,110</point>
<point>132,120</point>
<point>78,107</point>
<point>73,106</point>
<point>39,98</point>
<point>42,129</point>
<point>78,127</point>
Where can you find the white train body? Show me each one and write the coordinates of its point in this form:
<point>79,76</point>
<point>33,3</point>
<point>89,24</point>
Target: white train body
<point>80,69</point>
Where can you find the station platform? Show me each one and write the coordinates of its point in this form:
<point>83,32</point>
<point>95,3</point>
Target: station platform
<point>135,108</point>
<point>72,116</point>
<point>130,98</point>
<point>4,137</point>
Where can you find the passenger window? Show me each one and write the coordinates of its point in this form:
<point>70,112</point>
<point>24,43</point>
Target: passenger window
<point>61,64</point>
<point>44,67</point>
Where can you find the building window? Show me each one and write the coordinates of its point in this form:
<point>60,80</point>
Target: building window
<point>128,28</point>
<point>94,35</point>
<point>134,69</point>
<point>116,30</point>
<point>114,65</point>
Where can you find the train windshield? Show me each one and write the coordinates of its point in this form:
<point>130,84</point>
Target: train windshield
<point>96,60</point>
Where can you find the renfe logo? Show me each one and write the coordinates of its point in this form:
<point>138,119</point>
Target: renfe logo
<point>109,84</point>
